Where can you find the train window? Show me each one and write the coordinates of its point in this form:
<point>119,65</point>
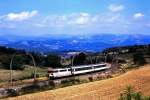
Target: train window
<point>55,71</point>
<point>63,70</point>
<point>84,68</point>
<point>99,66</point>
<point>50,71</point>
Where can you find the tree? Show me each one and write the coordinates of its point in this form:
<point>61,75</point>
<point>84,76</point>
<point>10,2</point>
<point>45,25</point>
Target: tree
<point>39,59</point>
<point>52,61</point>
<point>138,58</point>
<point>109,58</point>
<point>19,61</point>
<point>79,59</point>
<point>5,60</point>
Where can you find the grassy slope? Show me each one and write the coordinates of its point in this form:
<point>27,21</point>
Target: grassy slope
<point>17,74</point>
<point>109,89</point>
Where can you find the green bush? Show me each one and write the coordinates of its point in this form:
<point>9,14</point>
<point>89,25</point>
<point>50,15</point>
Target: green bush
<point>130,94</point>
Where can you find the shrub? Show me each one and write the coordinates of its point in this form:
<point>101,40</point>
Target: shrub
<point>139,59</point>
<point>51,83</point>
<point>130,94</point>
<point>91,79</point>
<point>71,81</point>
<point>13,92</point>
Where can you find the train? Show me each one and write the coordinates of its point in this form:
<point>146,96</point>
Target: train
<point>77,70</point>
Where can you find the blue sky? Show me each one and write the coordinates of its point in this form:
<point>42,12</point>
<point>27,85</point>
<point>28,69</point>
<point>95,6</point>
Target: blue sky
<point>74,17</point>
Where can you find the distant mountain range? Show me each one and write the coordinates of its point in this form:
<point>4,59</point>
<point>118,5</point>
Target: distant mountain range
<point>93,43</point>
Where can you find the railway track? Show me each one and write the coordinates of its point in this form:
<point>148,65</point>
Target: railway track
<point>46,79</point>
<point>42,82</point>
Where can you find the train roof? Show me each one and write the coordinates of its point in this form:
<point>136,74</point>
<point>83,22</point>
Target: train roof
<point>90,65</point>
<point>81,66</point>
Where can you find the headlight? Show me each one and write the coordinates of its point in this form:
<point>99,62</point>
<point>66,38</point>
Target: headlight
<point>51,75</point>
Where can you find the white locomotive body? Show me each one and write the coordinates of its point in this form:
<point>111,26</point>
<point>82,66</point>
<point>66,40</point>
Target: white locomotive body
<point>61,72</point>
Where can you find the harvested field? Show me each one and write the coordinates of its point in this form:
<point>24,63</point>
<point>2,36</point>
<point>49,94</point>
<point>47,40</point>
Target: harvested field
<point>108,89</point>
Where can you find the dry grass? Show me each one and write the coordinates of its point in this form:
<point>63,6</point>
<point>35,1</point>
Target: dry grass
<point>18,74</point>
<point>109,89</point>
<point>5,75</point>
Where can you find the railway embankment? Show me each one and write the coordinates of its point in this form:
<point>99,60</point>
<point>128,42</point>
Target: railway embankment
<point>108,89</point>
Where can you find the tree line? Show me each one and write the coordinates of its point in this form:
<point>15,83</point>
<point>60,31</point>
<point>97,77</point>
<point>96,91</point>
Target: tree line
<point>54,61</point>
<point>22,58</point>
<point>42,60</point>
